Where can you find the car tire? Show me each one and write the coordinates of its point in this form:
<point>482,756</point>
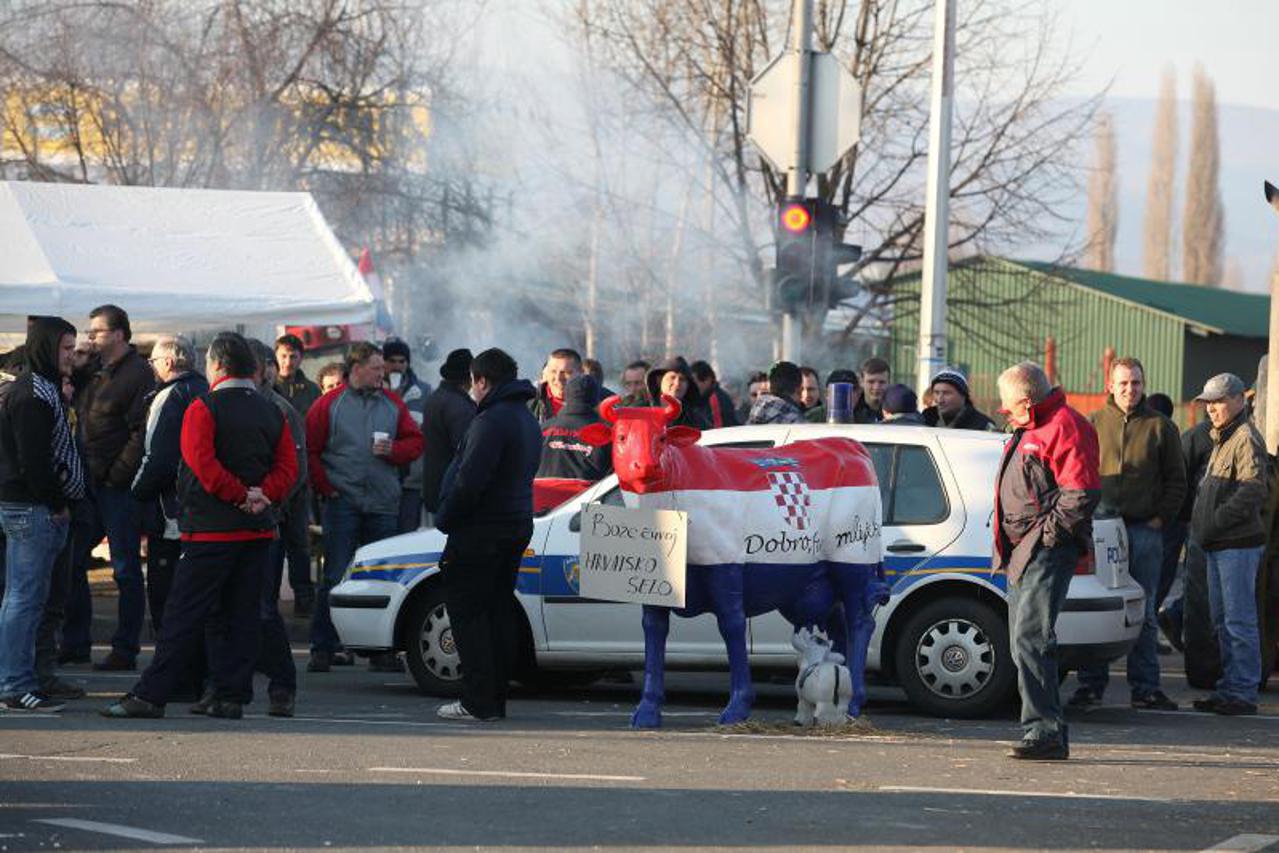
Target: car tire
<point>953,660</point>
<point>428,645</point>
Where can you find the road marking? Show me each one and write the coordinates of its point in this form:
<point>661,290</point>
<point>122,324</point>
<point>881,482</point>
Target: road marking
<point>1246,843</point>
<point>627,714</point>
<point>99,759</point>
<point>119,830</point>
<point>510,774</point>
<point>995,792</point>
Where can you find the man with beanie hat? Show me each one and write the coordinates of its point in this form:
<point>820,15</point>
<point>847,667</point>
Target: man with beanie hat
<point>570,465</point>
<point>401,379</point>
<point>952,406</point>
<point>445,418</point>
<point>901,406</point>
<point>41,472</point>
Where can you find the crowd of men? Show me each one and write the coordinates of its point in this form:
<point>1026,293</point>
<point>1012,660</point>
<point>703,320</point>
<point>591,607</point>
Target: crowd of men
<point>225,473</point>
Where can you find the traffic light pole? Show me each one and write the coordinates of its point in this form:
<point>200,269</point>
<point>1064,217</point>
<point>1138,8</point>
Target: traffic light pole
<point>797,175</point>
<point>932,292</point>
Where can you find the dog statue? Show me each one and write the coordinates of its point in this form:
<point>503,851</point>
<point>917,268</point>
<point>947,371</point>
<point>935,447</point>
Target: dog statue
<point>824,685</point>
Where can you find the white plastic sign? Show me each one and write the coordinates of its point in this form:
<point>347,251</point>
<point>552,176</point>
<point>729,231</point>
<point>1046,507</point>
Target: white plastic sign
<point>633,555</point>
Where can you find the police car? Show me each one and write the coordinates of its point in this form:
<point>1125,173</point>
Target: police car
<point>943,635</point>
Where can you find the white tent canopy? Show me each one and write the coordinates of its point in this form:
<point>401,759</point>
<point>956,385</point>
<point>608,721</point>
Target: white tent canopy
<point>175,259</point>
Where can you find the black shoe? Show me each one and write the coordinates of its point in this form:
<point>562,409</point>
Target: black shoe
<point>132,706</point>
<point>32,701</point>
<point>58,688</point>
<point>67,657</point>
<point>1156,701</point>
<point>204,703</point>
<point>281,705</point>
<point>343,659</point>
<point>1171,625</point>
<point>1085,697</point>
<point>1235,708</point>
<point>1048,749</point>
<point>1208,704</point>
<point>386,662</point>
<point>116,662</point>
<point>319,662</point>
<point>226,709</point>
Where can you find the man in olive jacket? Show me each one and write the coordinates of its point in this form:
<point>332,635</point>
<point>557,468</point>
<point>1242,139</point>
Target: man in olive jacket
<point>1143,480</point>
<point>1227,524</point>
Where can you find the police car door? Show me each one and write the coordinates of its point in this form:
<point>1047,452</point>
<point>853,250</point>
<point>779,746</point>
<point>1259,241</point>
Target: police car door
<point>920,519</point>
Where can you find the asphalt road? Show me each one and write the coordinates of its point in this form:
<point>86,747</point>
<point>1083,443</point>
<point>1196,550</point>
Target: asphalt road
<point>366,763</point>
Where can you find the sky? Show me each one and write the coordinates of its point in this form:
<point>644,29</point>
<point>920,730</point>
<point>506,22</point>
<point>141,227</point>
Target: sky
<point>1131,41</point>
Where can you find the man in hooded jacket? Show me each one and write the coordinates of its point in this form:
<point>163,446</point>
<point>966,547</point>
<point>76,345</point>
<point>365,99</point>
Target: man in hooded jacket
<point>569,464</point>
<point>674,378</point>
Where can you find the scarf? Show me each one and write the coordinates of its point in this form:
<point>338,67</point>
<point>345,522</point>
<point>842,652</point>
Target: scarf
<point>66,457</point>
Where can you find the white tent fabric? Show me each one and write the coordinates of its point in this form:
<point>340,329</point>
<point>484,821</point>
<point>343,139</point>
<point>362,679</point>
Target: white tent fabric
<point>175,259</point>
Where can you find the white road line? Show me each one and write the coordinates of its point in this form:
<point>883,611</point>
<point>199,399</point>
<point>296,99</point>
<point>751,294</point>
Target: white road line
<point>1246,843</point>
<point>510,774</point>
<point>117,829</point>
<point>94,758</point>
<point>994,792</point>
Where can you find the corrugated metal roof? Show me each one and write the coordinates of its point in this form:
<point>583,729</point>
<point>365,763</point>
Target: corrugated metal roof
<point>1216,309</point>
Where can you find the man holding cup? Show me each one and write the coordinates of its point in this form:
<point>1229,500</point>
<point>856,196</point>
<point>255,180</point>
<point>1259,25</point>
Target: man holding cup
<point>358,435</point>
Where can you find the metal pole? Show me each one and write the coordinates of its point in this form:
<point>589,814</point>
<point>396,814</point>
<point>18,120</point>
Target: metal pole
<point>797,175</point>
<point>1272,363</point>
<point>932,291</point>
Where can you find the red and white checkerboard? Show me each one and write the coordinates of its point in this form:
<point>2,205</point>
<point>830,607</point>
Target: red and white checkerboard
<point>790,491</point>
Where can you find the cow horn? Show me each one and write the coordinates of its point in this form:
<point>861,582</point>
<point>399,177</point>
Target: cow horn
<point>608,408</point>
<point>671,407</point>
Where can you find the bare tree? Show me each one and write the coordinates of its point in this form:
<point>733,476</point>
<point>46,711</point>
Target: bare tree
<point>1203,222</point>
<point>1161,185</point>
<point>1103,199</point>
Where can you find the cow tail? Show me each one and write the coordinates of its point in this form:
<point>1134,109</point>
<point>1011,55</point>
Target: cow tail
<point>834,699</point>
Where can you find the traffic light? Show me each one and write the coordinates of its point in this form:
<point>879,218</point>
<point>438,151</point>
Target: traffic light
<point>808,256</point>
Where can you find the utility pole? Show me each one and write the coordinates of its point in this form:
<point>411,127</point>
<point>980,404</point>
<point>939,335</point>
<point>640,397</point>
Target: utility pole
<point>1272,362</point>
<point>797,175</point>
<point>932,290</point>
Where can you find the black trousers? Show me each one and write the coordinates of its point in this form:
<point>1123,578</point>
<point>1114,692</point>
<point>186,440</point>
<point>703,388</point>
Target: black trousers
<point>162,562</point>
<point>217,585</point>
<point>479,570</point>
<point>275,655</point>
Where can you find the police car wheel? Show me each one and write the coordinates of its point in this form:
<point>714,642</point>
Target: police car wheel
<point>429,647</point>
<point>952,658</point>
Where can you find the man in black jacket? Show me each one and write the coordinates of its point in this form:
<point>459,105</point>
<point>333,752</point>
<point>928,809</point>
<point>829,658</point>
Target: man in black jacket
<point>112,420</point>
<point>569,464</point>
<point>41,472</point>
<point>445,418</point>
<point>487,512</point>
<point>156,484</point>
<point>717,405</point>
<point>953,405</point>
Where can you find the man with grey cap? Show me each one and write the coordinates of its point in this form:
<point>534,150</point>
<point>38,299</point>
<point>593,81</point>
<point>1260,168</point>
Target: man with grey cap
<point>1226,523</point>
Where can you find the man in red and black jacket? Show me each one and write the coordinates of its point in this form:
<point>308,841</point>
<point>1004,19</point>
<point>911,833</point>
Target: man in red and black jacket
<point>1048,485</point>
<point>238,463</point>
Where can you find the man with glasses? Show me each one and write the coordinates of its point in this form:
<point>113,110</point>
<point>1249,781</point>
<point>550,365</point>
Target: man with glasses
<point>112,422</point>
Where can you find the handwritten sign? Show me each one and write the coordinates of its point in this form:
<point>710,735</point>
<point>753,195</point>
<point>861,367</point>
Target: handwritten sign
<point>633,555</point>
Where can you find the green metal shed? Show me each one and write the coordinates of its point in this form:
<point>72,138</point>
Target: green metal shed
<point>1000,312</point>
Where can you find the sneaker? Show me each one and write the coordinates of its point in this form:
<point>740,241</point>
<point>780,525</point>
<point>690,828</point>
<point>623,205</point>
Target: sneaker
<point>1155,701</point>
<point>60,688</point>
<point>1208,704</point>
<point>1235,708</point>
<point>1084,697</point>
<point>116,662</point>
<point>386,662</point>
<point>205,702</point>
<point>129,705</point>
<point>31,701</point>
<point>319,662</point>
<point>281,705</point>
<point>226,709</point>
<point>1041,750</point>
<point>455,711</point>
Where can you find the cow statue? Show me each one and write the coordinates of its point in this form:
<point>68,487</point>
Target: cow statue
<point>794,529</point>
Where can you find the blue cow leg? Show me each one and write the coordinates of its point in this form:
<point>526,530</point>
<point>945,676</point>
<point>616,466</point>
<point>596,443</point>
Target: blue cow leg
<point>741,696</point>
<point>860,589</point>
<point>657,624</point>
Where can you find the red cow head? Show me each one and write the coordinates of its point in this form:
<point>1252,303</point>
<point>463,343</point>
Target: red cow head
<point>640,436</point>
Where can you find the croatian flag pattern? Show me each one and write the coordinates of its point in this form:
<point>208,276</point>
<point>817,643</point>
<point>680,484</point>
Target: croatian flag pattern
<point>790,491</point>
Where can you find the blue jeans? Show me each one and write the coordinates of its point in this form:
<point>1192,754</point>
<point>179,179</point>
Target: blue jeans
<point>1034,603</point>
<point>345,529</point>
<point>1232,597</point>
<point>1145,564</point>
<point>33,538</point>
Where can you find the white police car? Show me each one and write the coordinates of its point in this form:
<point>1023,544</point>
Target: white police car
<point>943,635</point>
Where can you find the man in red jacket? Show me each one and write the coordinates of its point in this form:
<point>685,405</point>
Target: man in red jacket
<point>238,464</point>
<point>1047,488</point>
